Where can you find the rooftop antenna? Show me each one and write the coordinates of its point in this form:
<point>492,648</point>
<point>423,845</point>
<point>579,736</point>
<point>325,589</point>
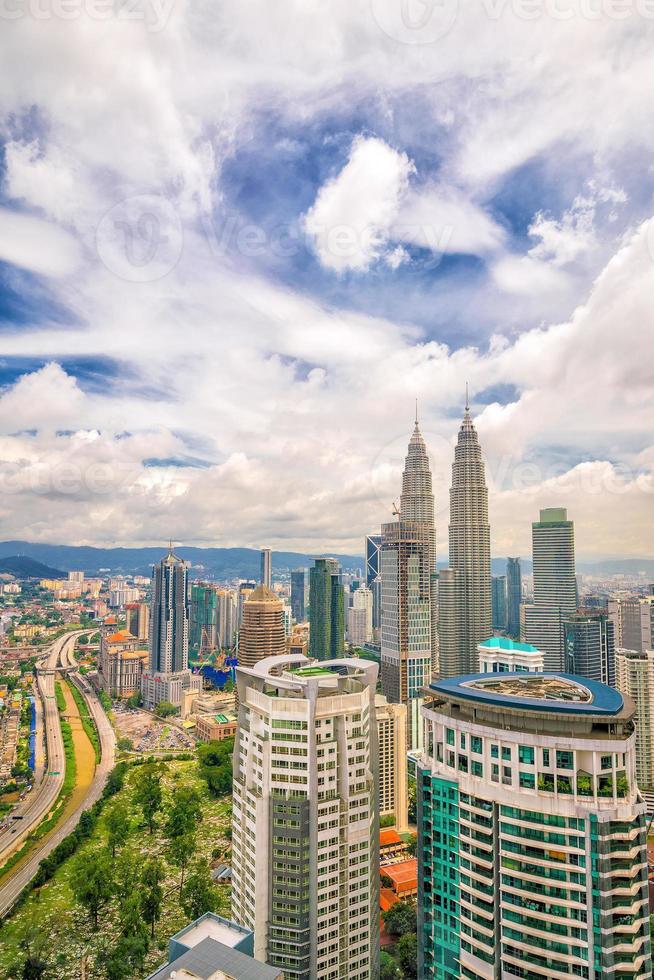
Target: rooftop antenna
<point>467,399</point>
<point>416,411</point>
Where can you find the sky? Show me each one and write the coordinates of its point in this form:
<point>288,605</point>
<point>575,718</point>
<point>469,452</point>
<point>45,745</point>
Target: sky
<point>237,241</point>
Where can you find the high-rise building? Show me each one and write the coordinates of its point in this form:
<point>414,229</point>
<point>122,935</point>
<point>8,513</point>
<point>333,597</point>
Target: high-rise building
<point>266,567</point>
<point>137,619</point>
<point>263,631</point>
<point>532,835</point>
<point>393,783</point>
<point>376,589</point>
<point>167,675</point>
<point>634,677</point>
<point>362,600</point>
<point>305,826</point>
<point>245,589</point>
<point>356,626</point>
<point>464,591</point>
<point>226,617</point>
<point>499,602</point>
<point>555,584</point>
<point>326,610</point>
<point>203,618</point>
<point>300,594</point>
<point>514,596</point>
<point>373,568</point>
<point>633,619</point>
<point>589,639</point>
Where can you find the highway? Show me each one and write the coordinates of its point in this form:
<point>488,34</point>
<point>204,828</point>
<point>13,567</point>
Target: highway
<point>35,807</point>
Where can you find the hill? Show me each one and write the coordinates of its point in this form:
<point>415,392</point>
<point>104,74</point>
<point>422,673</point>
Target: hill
<point>23,567</point>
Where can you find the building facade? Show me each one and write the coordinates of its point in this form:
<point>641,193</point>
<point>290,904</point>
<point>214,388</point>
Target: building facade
<point>513,596</point>
<point>203,619</point>
<point>266,567</point>
<point>393,784</point>
<point>326,610</point>
<point>501,655</point>
<point>305,828</point>
<point>499,602</point>
<point>263,631</point>
<point>300,594</point>
<point>121,662</point>
<point>555,585</point>
<point>589,641</point>
<point>634,677</point>
<point>532,832</point>
<point>464,591</point>
<point>373,567</point>
<point>633,621</point>
<point>137,619</point>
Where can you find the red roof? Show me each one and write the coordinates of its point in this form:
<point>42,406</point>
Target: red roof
<point>387,898</point>
<point>388,837</point>
<point>404,874</point>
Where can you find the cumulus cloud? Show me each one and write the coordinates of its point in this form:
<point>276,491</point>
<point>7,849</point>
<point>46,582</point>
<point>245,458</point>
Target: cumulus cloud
<point>36,245</point>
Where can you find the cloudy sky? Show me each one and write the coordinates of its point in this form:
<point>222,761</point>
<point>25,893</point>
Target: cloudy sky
<point>238,240</point>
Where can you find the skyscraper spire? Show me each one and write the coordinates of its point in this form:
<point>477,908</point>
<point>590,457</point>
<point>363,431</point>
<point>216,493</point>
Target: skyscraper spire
<point>465,588</point>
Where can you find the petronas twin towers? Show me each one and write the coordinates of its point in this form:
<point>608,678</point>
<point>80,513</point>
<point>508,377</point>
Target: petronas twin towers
<point>431,623</point>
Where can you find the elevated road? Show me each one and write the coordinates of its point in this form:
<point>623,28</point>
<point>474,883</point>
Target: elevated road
<point>40,801</point>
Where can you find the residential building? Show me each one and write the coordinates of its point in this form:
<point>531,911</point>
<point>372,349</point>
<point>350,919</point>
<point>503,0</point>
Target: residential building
<point>300,594</point>
<point>213,948</point>
<point>356,626</point>
<point>373,566</point>
<point>266,567</point>
<point>226,615</point>
<point>589,638</point>
<point>532,832</point>
<point>634,677</point>
<point>121,663</point>
<point>362,600</point>
<point>633,620</point>
<point>499,602</point>
<point>514,596</point>
<point>464,590</point>
<point>305,827</point>
<point>137,615</point>
<point>326,610</point>
<point>555,585</point>
<point>499,654</point>
<point>393,784</point>
<point>263,632</point>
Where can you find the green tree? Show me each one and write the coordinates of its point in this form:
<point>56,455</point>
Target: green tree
<point>134,700</point>
<point>125,744</point>
<point>91,882</point>
<point>147,792</point>
<point>184,814</point>
<point>117,824</point>
<point>412,846</point>
<point>126,874</point>
<point>215,760</point>
<point>165,709</point>
<point>125,960</point>
<point>131,918</point>
<point>400,919</point>
<point>151,893</point>
<point>407,954</point>
<point>199,894</point>
<point>387,968</point>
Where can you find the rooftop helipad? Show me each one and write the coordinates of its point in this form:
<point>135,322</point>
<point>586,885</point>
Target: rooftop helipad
<point>535,692</point>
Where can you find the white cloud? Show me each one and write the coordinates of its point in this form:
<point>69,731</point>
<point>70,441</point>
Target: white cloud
<point>444,220</point>
<point>36,245</point>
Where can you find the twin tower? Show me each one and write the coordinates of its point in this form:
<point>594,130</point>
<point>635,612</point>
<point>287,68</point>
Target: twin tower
<point>432,621</point>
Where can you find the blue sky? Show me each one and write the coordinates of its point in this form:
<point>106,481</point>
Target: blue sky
<point>236,244</point>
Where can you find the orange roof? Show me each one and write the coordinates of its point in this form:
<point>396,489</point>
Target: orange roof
<point>389,836</point>
<point>404,874</point>
<point>122,636</point>
<point>110,621</point>
<point>387,898</point>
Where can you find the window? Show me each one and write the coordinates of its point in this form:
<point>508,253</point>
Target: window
<point>527,780</point>
<point>495,752</point>
<point>463,741</point>
<point>475,744</point>
<point>546,757</point>
<point>477,768</point>
<point>526,755</point>
<point>606,762</point>
<point>564,760</point>
<point>450,736</point>
<point>506,753</point>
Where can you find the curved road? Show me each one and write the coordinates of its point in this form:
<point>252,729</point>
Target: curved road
<point>40,801</point>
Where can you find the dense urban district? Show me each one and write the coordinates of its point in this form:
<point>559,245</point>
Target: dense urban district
<point>389,770</point>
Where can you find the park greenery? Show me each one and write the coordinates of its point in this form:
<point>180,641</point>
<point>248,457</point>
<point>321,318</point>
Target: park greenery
<point>401,960</point>
<point>135,871</point>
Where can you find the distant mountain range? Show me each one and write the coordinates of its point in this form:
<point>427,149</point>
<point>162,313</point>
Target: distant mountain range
<point>225,563</point>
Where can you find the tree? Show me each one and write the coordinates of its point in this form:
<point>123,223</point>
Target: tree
<point>125,744</point>
<point>215,760</point>
<point>413,805</point>
<point>164,709</point>
<point>199,893</point>
<point>412,846</point>
<point>126,875</point>
<point>91,882</point>
<point>126,958</point>
<point>151,893</point>
<point>131,919</point>
<point>387,968</point>
<point>117,824</point>
<point>134,700</point>
<point>147,792</point>
<point>400,919</point>
<point>387,820</point>
<point>184,814</point>
<point>407,954</point>
<point>35,964</point>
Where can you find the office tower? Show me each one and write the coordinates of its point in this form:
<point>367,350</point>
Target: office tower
<point>634,677</point>
<point>633,619</point>
<point>417,506</point>
<point>555,584</point>
<point>499,602</point>
<point>305,827</point>
<point>203,620</point>
<point>137,619</point>
<point>373,544</point>
<point>326,610</point>
<point>392,739</point>
<point>167,675</point>
<point>589,641</point>
<point>245,589</point>
<point>263,631</point>
<point>500,655</point>
<point>300,594</point>
<point>121,663</point>
<point>514,596</point>
<point>356,626</point>
<point>532,837</point>
<point>266,567</point>
<point>226,614</point>
<point>77,577</point>
<point>376,589</point>
<point>362,600</point>
<point>464,592</point>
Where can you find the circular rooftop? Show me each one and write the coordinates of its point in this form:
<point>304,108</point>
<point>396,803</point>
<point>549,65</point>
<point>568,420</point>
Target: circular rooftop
<point>558,693</point>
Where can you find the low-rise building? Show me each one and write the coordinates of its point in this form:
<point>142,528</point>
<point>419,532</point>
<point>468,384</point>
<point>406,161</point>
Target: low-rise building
<point>214,728</point>
<point>501,655</point>
<point>121,664</point>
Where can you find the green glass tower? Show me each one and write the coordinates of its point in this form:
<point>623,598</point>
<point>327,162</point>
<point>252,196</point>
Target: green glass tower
<point>203,619</point>
<point>326,610</point>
